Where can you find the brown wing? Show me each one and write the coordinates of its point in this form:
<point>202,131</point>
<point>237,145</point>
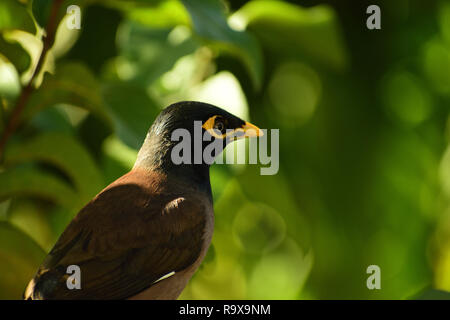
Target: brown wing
<point>123,241</point>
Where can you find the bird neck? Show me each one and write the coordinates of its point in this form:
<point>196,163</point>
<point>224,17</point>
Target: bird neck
<point>155,154</point>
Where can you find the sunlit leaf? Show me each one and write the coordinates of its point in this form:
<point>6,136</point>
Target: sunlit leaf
<point>15,53</point>
<point>288,29</point>
<point>167,14</point>
<point>9,80</point>
<point>64,152</point>
<point>20,257</point>
<point>33,46</point>
<point>73,84</point>
<point>147,53</point>
<point>34,220</point>
<point>210,22</point>
<point>65,37</point>
<point>35,182</point>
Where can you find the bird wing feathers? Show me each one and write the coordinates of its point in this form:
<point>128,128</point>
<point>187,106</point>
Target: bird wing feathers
<point>124,240</point>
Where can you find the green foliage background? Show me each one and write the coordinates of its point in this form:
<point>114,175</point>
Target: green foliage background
<point>364,135</point>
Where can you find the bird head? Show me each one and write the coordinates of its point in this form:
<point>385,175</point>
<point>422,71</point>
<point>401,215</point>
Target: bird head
<point>201,121</point>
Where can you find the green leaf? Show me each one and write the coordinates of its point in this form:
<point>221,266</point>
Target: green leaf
<point>432,294</point>
<point>149,53</point>
<point>64,152</point>
<point>288,29</point>
<point>41,9</point>
<point>53,119</point>
<point>132,110</point>
<point>9,81</point>
<point>210,22</point>
<point>15,53</point>
<point>97,39</point>
<point>14,15</point>
<point>20,257</point>
<point>33,181</point>
<point>32,44</point>
<point>72,84</point>
<point>166,14</point>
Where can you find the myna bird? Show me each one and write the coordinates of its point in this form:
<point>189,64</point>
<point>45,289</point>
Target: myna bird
<point>144,235</point>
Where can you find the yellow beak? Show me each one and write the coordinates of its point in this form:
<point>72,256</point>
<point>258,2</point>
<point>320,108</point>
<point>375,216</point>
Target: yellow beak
<point>251,130</point>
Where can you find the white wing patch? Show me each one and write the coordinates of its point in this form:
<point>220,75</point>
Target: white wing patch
<point>164,277</point>
<point>173,204</point>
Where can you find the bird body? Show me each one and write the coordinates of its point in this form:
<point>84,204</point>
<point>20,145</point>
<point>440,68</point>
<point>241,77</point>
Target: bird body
<point>157,228</point>
<point>144,235</point>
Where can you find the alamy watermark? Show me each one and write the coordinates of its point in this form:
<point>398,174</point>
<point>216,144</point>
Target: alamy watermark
<point>211,153</point>
<point>74,280</point>
<point>374,20</point>
<point>73,17</point>
<point>374,280</point>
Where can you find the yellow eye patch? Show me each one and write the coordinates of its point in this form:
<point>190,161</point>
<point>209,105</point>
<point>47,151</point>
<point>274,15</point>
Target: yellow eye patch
<point>209,126</point>
<point>248,129</point>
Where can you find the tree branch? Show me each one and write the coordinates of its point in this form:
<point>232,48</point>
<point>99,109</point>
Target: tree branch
<point>22,100</point>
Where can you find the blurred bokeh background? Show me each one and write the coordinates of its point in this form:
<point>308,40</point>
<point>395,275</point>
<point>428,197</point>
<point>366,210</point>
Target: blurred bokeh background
<point>364,125</point>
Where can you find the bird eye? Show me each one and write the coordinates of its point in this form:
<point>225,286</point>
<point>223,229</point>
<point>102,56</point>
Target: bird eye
<point>219,125</point>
